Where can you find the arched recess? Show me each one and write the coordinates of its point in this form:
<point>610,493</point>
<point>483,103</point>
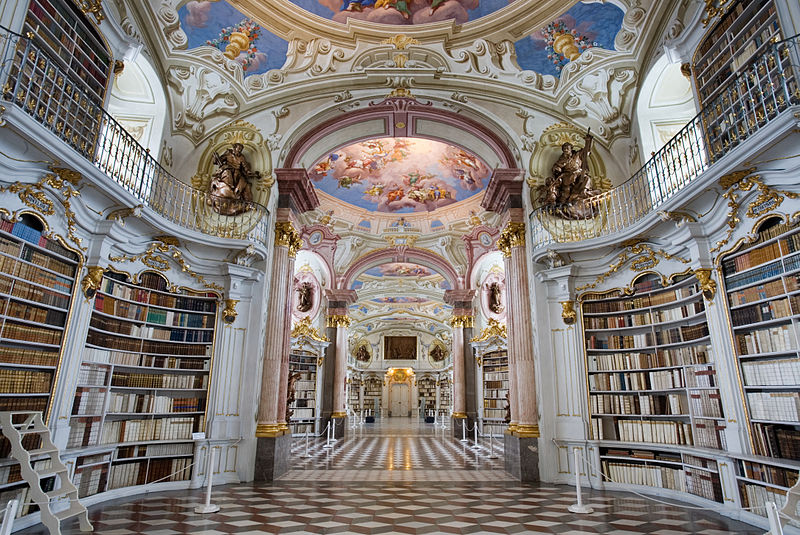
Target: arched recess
<point>400,117</point>
<point>410,254</point>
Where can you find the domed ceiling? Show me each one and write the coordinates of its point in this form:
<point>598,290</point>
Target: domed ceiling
<point>402,11</point>
<point>400,175</point>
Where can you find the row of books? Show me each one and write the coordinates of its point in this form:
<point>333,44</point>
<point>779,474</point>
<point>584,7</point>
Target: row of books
<point>494,403</point>
<point>658,380</point>
<point>685,333</point>
<point>107,356</point>
<point>10,247</point>
<point>147,380</point>
<point>702,462</point>
<point>309,403</point>
<point>766,311</point>
<point>305,385</point>
<point>752,258</point>
<point>678,433</point>
<point>639,474</point>
<point>128,310</point>
<point>783,372</point>
<point>782,477</point>
<point>84,432</point>
<point>615,322</point>
<point>633,303</point>
<point>757,293</point>
<point>769,340</point>
<point>709,434</point>
<point>718,34</point>
<point>141,295</point>
<point>31,292</point>
<point>32,273</point>
<point>631,341</point>
<point>755,497</point>
<point>92,374</point>
<point>155,450</point>
<point>701,376</point>
<point>501,377</point>
<point>145,331</point>
<point>90,480</point>
<point>106,340</point>
<point>776,441</point>
<point>10,473</point>
<point>775,406</point>
<point>29,254</point>
<point>753,276</point>
<point>495,413</point>
<point>123,309</point>
<point>706,403</point>
<point>24,381</point>
<point>28,312</point>
<point>150,429</point>
<point>139,473</point>
<point>680,356</point>
<point>302,413</point>
<point>23,231</point>
<point>702,483</point>
<point>30,333</point>
<point>495,393</point>
<point>148,403</point>
<point>641,404</point>
<point>29,356</point>
<point>88,401</point>
<point>23,404</point>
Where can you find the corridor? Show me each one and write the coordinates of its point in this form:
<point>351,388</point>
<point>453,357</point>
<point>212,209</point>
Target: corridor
<point>397,475</point>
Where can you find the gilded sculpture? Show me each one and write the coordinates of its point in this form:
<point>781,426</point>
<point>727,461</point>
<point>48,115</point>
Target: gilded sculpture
<point>229,189</point>
<point>305,296</point>
<point>570,185</point>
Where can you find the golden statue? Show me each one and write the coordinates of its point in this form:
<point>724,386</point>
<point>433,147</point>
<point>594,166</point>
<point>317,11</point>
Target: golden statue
<point>571,184</point>
<point>229,190</point>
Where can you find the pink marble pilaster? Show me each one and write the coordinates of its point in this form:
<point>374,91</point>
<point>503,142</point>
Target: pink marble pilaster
<point>461,301</point>
<point>339,302</point>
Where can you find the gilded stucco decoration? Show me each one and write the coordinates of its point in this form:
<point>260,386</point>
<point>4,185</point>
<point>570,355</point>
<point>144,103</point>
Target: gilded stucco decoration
<point>707,284</point>
<point>304,329</point>
<point>157,257</point>
<point>513,235</point>
<point>287,236</point>
<point>93,7</point>
<point>240,142</point>
<point>337,320</point>
<point>91,281</point>
<point>713,9</point>
<point>493,329</point>
<point>229,313</point>
<point>462,320</point>
<point>641,256</point>
<point>568,313</point>
<point>34,196</point>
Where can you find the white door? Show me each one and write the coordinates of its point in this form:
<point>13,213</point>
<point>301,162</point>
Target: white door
<point>400,399</point>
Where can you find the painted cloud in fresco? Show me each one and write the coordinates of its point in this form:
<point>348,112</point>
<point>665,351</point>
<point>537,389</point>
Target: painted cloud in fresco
<point>400,174</point>
<point>590,25</point>
<point>402,11</point>
<point>399,269</point>
<point>399,300</point>
<point>212,23</point>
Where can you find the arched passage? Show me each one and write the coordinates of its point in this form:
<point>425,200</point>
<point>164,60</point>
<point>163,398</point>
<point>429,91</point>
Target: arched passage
<point>410,254</point>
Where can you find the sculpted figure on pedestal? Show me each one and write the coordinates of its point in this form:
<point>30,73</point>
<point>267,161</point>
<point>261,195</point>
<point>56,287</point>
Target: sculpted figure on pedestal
<point>571,184</point>
<point>230,186</point>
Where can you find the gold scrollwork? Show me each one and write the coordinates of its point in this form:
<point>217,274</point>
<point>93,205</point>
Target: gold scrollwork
<point>337,320</point>
<point>157,255</point>
<point>513,235</point>
<point>93,7</point>
<point>287,236</point>
<point>713,9</point>
<point>304,329</point>
<point>707,284</point>
<point>568,313</point>
<point>642,258</point>
<point>494,328</point>
<point>400,41</point>
<point>92,280</point>
<point>463,320</point>
<point>229,312</point>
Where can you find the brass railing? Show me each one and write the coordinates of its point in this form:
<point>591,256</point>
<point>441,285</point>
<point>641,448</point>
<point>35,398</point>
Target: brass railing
<point>767,86</point>
<point>38,84</point>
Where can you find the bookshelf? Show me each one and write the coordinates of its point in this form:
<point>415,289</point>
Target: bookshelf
<point>426,389</point>
<point>354,393</point>
<point>142,385</point>
<point>764,480</point>
<point>304,406</point>
<point>373,392</point>
<point>37,280</point>
<point>741,36</point>
<point>445,396</point>
<point>762,285</point>
<point>495,389</point>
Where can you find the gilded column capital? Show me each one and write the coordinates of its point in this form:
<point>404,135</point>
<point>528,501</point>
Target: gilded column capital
<point>462,320</point>
<point>337,320</point>
<point>513,235</point>
<point>287,236</point>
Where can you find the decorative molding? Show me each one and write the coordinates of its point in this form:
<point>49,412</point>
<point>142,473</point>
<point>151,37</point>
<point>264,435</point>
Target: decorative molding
<point>120,214</point>
<point>338,320</point>
<point>713,9</point>
<point>287,236</point>
<point>527,431</point>
<point>513,235</point>
<point>707,284</point>
<point>229,313</point>
<point>303,329</point>
<point>568,313</point>
<point>400,41</point>
<point>494,329</point>
<point>642,258</point>
<point>92,7</point>
<point>462,320</point>
<point>91,281</point>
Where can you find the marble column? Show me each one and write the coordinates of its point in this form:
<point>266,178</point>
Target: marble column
<point>338,304</point>
<point>461,301</point>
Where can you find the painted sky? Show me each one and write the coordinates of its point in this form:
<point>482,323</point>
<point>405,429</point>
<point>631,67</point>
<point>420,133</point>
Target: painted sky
<point>393,12</point>
<point>400,175</point>
<point>400,269</point>
<point>205,21</point>
<point>597,23</point>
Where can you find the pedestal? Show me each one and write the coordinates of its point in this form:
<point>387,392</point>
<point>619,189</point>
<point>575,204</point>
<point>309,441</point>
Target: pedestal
<point>341,425</point>
<point>456,426</point>
<point>522,457</point>
<point>272,457</point>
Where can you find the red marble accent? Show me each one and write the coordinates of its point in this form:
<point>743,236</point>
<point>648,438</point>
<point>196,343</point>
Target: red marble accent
<point>503,186</point>
<point>406,254</point>
<point>295,187</point>
<point>460,300</point>
<point>339,300</point>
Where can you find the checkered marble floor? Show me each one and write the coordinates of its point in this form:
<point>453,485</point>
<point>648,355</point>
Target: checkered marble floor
<point>329,494</point>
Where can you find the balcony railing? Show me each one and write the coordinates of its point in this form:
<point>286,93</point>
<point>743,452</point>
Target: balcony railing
<point>35,82</point>
<point>765,88</point>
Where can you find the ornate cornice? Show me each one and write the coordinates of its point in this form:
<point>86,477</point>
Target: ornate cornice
<point>495,328</point>
<point>303,329</point>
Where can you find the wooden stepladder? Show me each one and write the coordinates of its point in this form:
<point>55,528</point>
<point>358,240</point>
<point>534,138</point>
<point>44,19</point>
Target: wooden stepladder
<point>16,427</point>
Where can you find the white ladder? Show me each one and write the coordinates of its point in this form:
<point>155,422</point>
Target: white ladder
<point>15,425</point>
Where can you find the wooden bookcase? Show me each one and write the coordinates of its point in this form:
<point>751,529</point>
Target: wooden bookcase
<point>426,389</point>
<point>495,388</point>
<point>445,396</point>
<point>143,383</point>
<point>354,393</point>
<point>373,392</point>
<point>655,406</point>
<point>37,282</point>
<point>741,36</point>
<point>304,406</point>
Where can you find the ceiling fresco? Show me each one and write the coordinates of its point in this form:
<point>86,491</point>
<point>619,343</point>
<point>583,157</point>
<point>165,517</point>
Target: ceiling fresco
<point>402,11</point>
<point>400,175</point>
<point>220,25</point>
<point>584,26</point>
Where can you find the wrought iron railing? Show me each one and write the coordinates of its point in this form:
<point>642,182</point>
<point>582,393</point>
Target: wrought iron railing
<point>767,86</point>
<point>36,83</point>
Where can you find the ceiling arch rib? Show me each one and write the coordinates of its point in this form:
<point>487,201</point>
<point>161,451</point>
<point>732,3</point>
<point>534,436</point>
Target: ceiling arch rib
<point>401,254</point>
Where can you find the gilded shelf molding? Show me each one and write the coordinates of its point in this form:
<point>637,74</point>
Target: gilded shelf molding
<point>229,313</point>
<point>93,7</point>
<point>463,320</point>
<point>713,9</point>
<point>157,256</point>
<point>707,284</point>
<point>641,256</point>
<point>568,313</point>
<point>513,235</point>
<point>337,320</point>
<point>287,236</point>
<point>400,41</point>
<point>92,280</point>
<point>120,214</point>
<point>303,329</point>
<point>494,328</point>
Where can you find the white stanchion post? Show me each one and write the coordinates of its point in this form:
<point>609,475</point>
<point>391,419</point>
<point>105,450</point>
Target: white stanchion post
<point>328,444</point>
<point>492,455</point>
<point>306,455</point>
<point>579,507</point>
<point>208,507</point>
<point>476,446</point>
<point>464,430</point>
<point>775,527</point>
<point>8,517</point>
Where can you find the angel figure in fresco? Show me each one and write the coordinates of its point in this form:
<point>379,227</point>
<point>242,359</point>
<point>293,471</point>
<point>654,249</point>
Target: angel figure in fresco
<point>395,194</point>
<point>400,5</point>
<point>345,181</point>
<point>356,5</point>
<point>375,190</point>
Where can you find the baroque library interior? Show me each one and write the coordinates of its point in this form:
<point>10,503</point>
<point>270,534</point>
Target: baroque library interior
<point>399,266</point>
